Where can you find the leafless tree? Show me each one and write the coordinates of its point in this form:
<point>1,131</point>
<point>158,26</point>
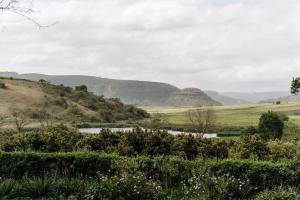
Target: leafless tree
<point>15,7</point>
<point>201,119</point>
<point>45,118</point>
<point>20,118</point>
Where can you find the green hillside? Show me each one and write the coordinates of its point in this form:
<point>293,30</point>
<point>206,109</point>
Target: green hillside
<point>64,103</point>
<point>141,93</point>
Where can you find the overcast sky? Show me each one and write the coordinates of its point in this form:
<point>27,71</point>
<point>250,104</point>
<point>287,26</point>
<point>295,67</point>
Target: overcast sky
<point>224,45</point>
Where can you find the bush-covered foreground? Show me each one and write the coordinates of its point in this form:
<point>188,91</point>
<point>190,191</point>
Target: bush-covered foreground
<point>149,143</point>
<point>61,163</point>
<point>105,176</point>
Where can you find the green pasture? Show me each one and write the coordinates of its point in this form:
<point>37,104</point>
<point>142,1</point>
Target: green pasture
<point>237,116</point>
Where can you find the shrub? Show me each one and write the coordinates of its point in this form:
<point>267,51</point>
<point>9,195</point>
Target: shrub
<point>147,142</point>
<point>186,146</point>
<point>81,88</point>
<point>218,187</point>
<point>104,141</point>
<point>279,193</point>
<point>125,187</point>
<point>7,189</point>
<point>281,150</point>
<point>250,147</point>
<point>133,142</point>
<point>2,85</point>
<point>251,130</point>
<point>213,149</point>
<point>54,139</point>
<point>220,179</point>
<point>158,143</point>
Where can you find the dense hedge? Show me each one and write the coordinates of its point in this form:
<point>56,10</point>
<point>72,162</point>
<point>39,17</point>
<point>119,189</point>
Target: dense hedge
<point>220,179</point>
<point>148,143</point>
<point>85,165</point>
<point>261,175</point>
<point>80,164</point>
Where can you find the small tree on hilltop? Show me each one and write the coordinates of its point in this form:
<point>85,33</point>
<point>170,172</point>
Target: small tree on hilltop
<point>271,125</point>
<point>82,88</point>
<point>43,82</point>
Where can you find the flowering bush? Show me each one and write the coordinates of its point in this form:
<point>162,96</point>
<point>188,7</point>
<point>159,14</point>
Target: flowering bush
<point>125,187</point>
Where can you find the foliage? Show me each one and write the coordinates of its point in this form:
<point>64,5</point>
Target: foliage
<point>271,125</point>
<point>82,88</point>
<point>105,110</point>
<point>251,130</point>
<point>54,139</point>
<point>280,193</point>
<point>103,176</point>
<point>250,147</point>
<point>137,186</point>
<point>2,85</point>
<point>125,187</point>
<point>218,187</point>
<point>282,150</point>
<point>149,143</point>
<point>295,86</point>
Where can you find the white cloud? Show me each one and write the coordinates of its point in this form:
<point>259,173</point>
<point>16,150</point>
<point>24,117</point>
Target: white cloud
<point>212,44</point>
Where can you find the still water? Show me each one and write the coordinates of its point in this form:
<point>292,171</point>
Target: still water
<point>98,130</point>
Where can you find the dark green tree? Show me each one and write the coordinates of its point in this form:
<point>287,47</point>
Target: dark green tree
<point>295,87</point>
<point>271,125</point>
<point>81,88</point>
<point>43,82</point>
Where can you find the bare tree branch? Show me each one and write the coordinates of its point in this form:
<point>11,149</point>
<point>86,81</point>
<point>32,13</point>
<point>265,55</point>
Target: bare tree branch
<point>20,117</point>
<point>45,118</point>
<point>13,6</point>
<point>201,119</point>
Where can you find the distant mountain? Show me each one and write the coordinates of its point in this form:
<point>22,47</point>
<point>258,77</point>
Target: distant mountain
<point>141,93</point>
<point>225,99</point>
<point>283,99</point>
<point>257,96</point>
<point>190,96</point>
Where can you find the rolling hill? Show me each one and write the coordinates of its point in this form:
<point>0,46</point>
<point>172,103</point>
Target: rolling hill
<point>290,98</point>
<point>225,100</point>
<point>256,97</point>
<point>64,102</point>
<point>142,93</point>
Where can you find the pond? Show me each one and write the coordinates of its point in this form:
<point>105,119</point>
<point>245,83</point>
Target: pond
<point>98,130</point>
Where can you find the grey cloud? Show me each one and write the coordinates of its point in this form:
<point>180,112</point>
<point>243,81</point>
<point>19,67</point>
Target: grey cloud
<point>212,44</point>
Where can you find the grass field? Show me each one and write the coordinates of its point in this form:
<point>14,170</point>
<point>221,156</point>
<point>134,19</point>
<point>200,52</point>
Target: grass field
<point>232,116</point>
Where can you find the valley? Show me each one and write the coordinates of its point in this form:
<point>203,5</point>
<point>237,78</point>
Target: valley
<point>233,117</point>
<point>149,100</point>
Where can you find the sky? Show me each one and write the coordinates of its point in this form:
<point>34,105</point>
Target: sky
<point>223,45</point>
